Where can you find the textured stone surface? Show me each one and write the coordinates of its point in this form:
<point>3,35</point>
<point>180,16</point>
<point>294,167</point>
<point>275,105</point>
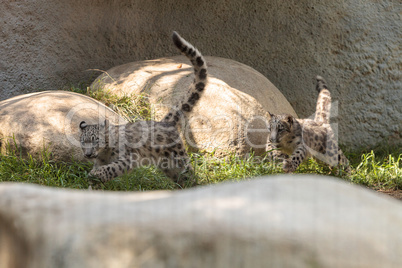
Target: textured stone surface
<point>283,221</point>
<point>49,121</point>
<point>354,44</point>
<point>231,115</point>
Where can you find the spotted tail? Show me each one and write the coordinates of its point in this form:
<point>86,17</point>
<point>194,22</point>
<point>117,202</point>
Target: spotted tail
<point>322,111</point>
<point>321,84</point>
<point>200,80</point>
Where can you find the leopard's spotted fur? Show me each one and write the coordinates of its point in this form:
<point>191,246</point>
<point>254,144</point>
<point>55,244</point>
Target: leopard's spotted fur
<point>117,149</point>
<point>292,140</point>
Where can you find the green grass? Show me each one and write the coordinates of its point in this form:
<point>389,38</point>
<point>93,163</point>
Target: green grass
<point>131,107</point>
<point>378,169</point>
<point>374,171</point>
<point>15,168</point>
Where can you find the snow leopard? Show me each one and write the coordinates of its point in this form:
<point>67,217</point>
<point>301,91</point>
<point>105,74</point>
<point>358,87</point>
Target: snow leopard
<point>293,140</point>
<point>118,149</point>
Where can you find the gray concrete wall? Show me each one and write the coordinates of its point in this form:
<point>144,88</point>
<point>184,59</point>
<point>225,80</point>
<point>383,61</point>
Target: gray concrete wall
<point>355,45</point>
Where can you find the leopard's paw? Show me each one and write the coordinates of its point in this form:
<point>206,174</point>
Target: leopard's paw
<point>288,166</point>
<point>94,180</point>
<point>97,174</point>
<point>93,173</point>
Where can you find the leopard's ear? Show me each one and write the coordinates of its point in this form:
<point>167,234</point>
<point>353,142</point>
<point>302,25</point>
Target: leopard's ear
<point>271,115</point>
<point>83,125</point>
<point>289,119</point>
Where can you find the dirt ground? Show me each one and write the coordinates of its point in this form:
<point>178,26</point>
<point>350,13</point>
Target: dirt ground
<point>394,193</point>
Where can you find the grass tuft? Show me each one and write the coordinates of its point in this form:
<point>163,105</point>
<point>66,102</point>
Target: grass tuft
<point>379,171</point>
<point>132,107</point>
<point>15,168</point>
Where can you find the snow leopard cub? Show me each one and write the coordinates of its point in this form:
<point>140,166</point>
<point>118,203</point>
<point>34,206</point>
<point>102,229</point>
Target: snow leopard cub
<point>117,149</point>
<point>293,140</point>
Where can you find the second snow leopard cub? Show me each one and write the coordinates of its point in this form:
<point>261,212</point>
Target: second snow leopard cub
<point>117,149</point>
<point>293,140</point>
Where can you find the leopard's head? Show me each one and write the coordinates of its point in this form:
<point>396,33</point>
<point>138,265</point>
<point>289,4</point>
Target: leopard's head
<point>93,138</point>
<point>280,128</point>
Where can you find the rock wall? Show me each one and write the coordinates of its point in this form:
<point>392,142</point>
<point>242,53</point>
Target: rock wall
<point>354,44</point>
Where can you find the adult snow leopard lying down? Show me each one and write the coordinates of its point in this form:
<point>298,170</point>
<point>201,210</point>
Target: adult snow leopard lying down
<point>117,149</point>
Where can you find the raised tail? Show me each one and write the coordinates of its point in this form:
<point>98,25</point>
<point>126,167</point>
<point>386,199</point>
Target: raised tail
<point>323,106</point>
<point>321,84</point>
<point>200,80</point>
